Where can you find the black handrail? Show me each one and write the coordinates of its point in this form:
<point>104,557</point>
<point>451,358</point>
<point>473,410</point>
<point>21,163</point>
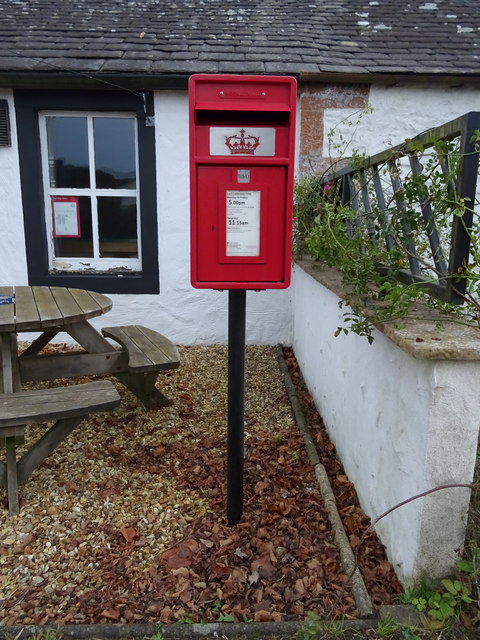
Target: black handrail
<point>360,186</point>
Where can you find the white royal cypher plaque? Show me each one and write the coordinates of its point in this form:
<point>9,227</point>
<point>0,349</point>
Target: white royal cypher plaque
<point>242,141</point>
<point>243,223</point>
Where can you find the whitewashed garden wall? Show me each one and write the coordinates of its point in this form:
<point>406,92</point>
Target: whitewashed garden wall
<point>405,419</point>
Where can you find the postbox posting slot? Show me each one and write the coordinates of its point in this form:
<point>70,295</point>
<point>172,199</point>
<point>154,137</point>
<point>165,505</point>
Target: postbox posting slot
<point>211,117</point>
<point>246,107</point>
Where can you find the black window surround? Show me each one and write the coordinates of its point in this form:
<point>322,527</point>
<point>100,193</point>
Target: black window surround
<point>28,104</point>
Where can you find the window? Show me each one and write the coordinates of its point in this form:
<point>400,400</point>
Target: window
<point>90,182</point>
<point>88,188</point>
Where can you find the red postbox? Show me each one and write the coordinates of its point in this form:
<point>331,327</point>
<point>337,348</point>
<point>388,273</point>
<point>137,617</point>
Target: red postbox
<point>242,150</point>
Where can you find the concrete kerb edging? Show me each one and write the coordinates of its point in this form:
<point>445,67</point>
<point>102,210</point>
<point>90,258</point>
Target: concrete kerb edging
<point>405,615</point>
<point>208,631</point>
<point>347,558</point>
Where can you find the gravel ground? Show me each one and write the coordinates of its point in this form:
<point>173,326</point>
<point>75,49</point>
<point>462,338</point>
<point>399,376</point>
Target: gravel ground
<point>125,521</point>
<point>73,501</point>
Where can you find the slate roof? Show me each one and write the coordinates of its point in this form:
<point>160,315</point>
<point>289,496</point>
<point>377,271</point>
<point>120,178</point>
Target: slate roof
<point>155,37</point>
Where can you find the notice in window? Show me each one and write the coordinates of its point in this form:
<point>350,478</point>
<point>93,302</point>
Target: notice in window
<point>66,217</point>
<point>243,223</point>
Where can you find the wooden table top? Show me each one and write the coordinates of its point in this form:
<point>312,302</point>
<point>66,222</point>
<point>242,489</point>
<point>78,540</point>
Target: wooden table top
<point>39,308</point>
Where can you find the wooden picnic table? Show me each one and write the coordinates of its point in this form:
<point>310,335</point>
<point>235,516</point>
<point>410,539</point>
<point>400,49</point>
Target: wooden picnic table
<point>50,310</point>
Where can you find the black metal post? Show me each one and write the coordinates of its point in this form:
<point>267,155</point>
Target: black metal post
<point>236,403</point>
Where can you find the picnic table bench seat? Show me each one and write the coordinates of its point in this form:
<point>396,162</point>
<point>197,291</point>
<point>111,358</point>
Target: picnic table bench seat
<point>147,349</point>
<point>148,353</point>
<point>66,405</point>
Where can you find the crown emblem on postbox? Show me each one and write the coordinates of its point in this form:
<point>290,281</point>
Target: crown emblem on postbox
<point>242,143</point>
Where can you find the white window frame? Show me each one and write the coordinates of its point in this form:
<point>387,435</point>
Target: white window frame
<point>96,263</point>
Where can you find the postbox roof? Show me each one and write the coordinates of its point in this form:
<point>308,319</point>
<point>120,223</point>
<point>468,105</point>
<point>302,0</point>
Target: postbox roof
<point>172,39</point>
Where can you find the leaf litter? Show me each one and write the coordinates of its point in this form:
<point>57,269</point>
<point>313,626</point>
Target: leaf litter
<point>125,521</point>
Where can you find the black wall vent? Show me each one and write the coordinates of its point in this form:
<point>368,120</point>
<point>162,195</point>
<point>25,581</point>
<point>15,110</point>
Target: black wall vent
<point>5,140</point>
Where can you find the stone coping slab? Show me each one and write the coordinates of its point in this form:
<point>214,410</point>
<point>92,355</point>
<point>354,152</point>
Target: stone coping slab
<point>425,335</point>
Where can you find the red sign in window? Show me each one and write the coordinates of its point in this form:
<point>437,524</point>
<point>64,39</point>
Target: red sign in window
<point>66,217</point>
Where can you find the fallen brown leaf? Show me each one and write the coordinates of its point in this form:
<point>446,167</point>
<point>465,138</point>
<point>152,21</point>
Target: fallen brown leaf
<point>129,534</point>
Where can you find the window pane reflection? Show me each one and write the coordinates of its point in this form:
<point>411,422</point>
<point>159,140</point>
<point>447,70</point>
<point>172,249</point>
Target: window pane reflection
<point>114,153</point>
<point>117,227</point>
<point>81,247</point>
<point>67,152</point>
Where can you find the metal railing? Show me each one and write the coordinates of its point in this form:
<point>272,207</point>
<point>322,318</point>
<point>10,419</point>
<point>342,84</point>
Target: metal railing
<point>435,244</point>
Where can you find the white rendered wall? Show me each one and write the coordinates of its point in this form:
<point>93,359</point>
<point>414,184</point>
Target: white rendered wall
<point>401,426</point>
<point>13,261</point>
<point>398,112</point>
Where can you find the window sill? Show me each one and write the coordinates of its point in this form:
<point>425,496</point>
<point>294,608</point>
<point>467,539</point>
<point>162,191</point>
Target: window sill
<point>107,282</point>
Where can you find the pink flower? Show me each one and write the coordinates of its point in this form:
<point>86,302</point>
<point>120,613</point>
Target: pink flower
<point>328,185</point>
